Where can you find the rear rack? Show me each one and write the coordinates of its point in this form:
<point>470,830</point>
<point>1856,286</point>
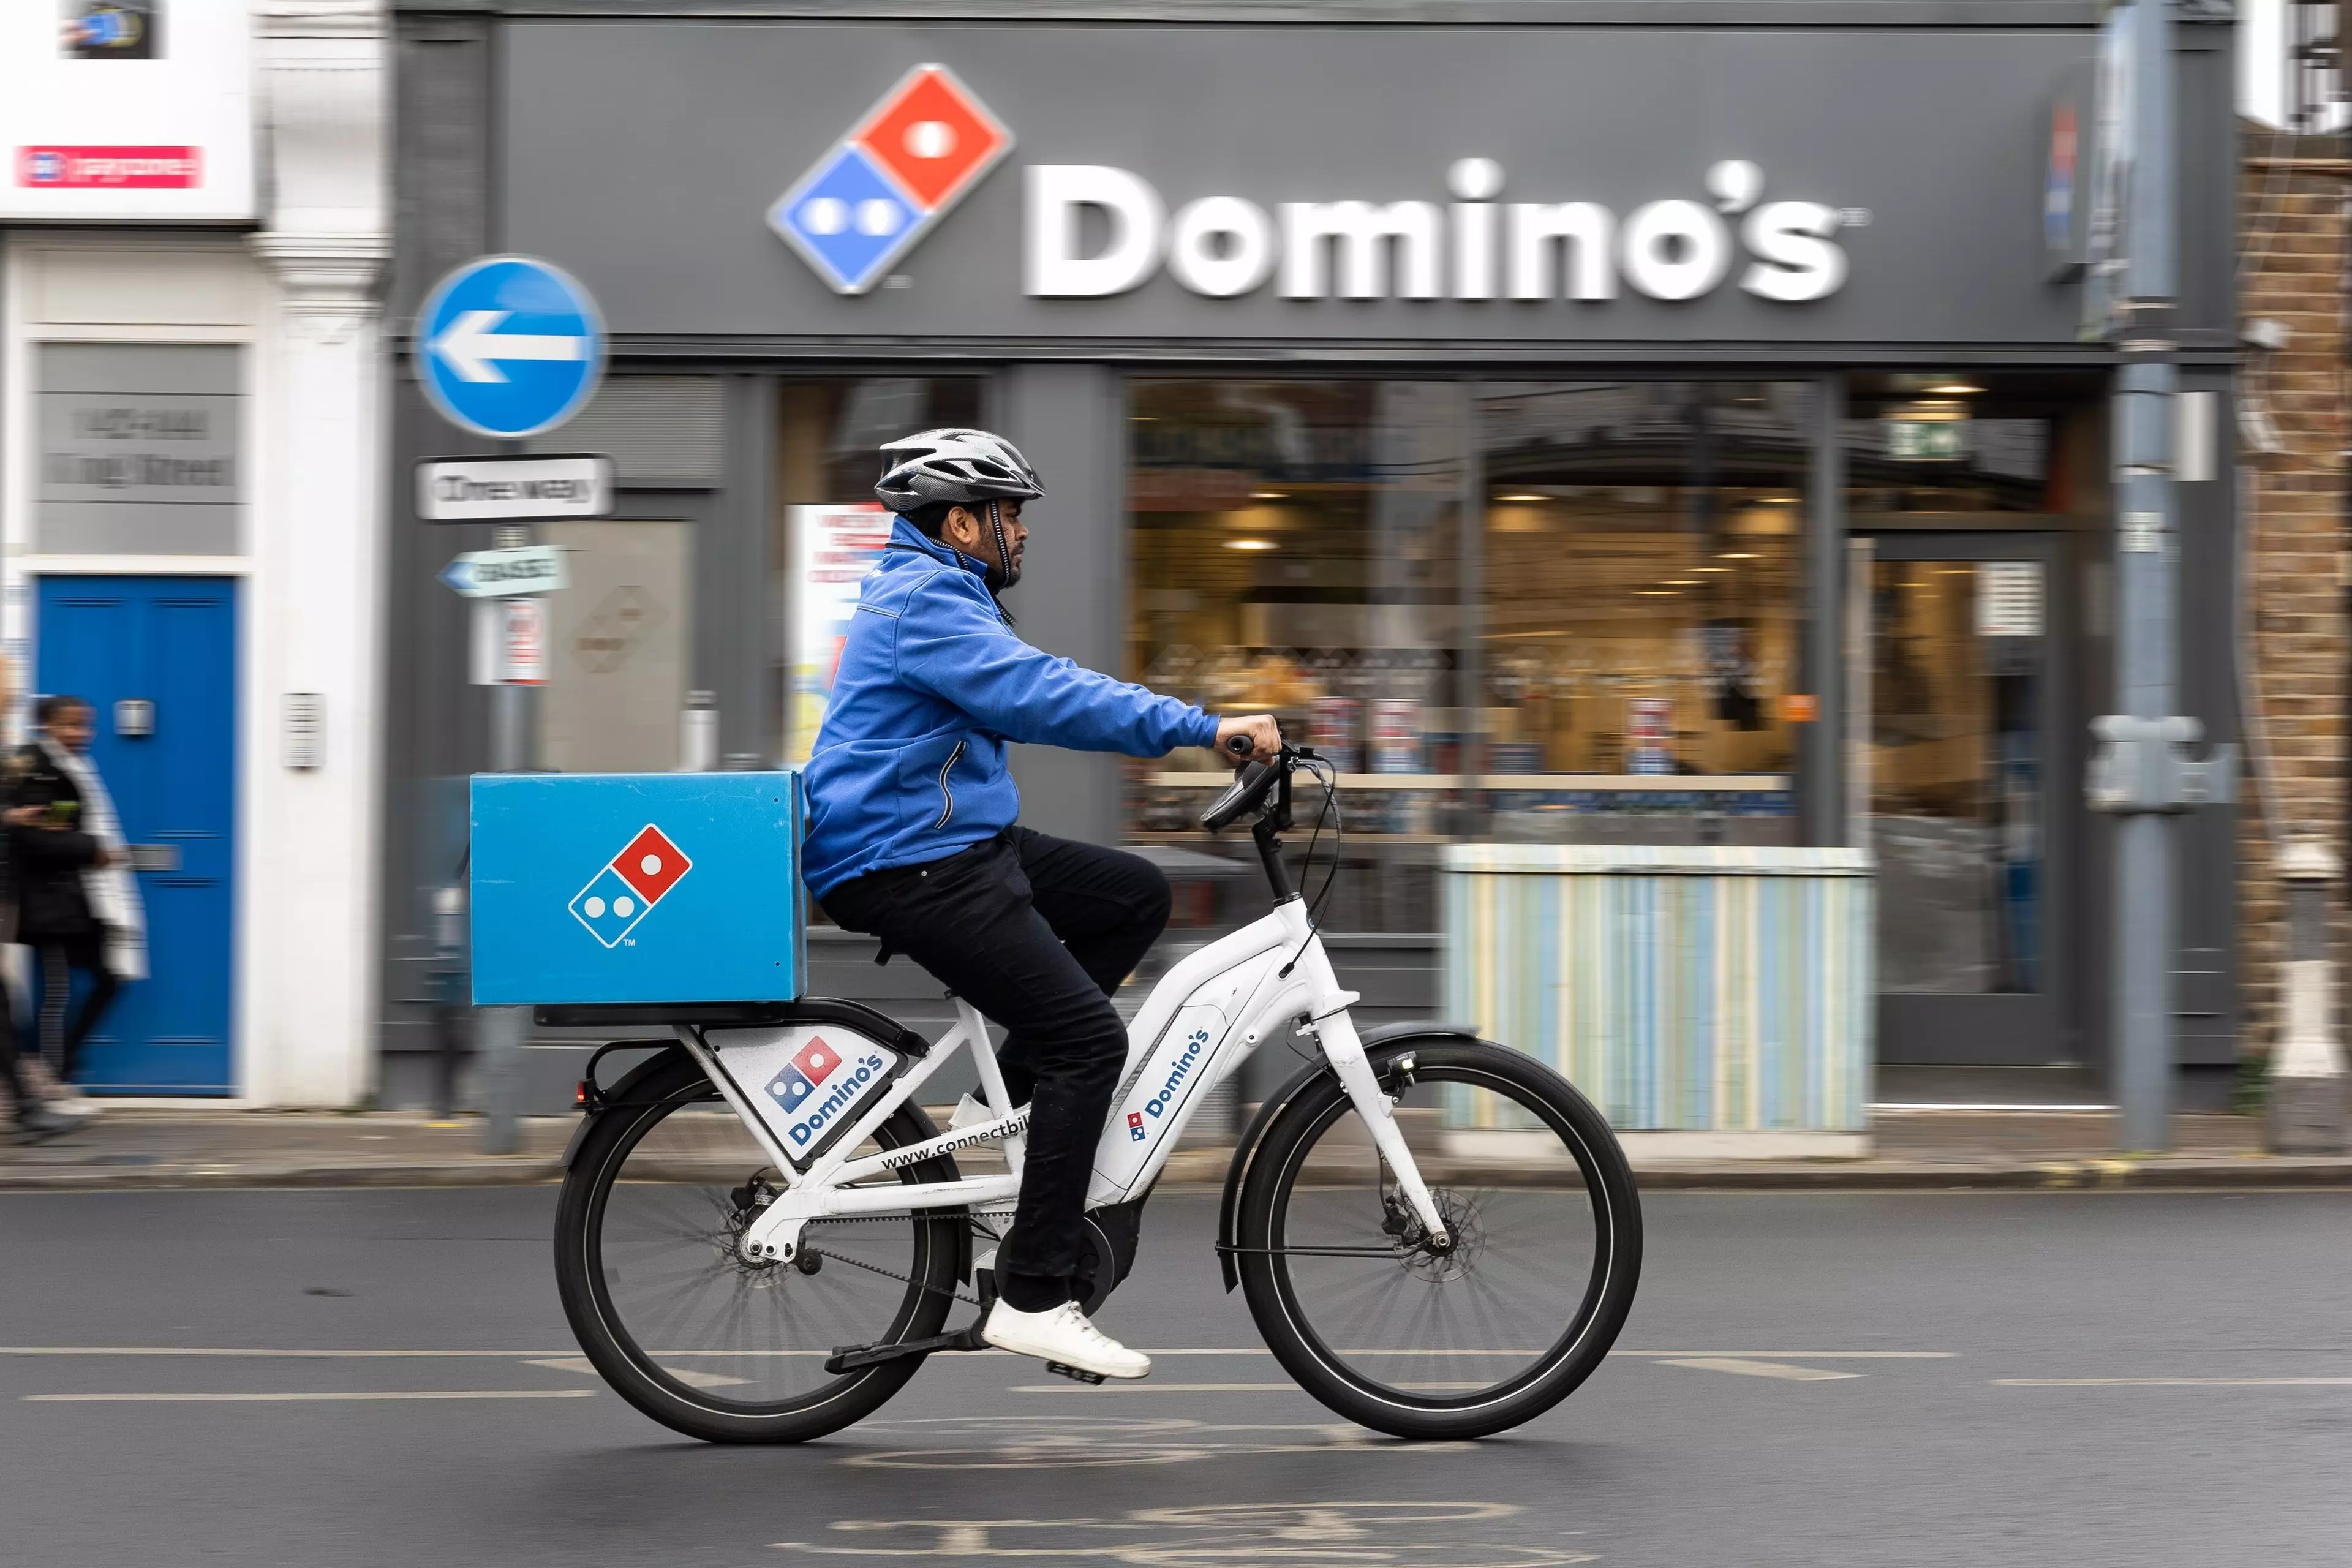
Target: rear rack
<point>855,1016</point>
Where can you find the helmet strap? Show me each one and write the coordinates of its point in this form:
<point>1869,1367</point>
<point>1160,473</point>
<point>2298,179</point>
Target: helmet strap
<point>999,576</point>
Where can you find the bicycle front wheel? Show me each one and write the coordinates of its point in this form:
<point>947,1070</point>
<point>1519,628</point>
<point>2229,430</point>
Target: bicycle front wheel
<point>686,1328</point>
<point>1491,1329</point>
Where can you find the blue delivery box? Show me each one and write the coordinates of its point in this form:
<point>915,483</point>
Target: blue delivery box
<point>638,888</point>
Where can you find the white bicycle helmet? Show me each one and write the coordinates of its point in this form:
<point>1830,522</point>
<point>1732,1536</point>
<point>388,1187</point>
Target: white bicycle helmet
<point>952,465</point>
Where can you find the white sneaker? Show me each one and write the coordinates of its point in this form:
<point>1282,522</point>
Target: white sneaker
<point>1065,1335</point>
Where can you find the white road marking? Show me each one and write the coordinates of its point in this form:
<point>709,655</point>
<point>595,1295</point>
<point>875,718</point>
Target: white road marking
<point>1804,1355</point>
<point>2172,1381</point>
<point>264,1354</point>
<point>687,1375</point>
<point>267,1353</point>
<point>259,1399</point>
<point>1146,1386</point>
<point>1747,1368</point>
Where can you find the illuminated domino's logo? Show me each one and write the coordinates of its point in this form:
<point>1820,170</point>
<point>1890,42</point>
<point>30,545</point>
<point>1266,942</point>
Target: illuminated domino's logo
<point>629,885</point>
<point>865,202</point>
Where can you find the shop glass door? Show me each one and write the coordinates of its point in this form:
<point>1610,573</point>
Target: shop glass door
<point>1963,691</point>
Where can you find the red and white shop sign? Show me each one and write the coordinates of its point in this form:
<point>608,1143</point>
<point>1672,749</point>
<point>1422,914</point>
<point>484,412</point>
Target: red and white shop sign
<point>111,168</point>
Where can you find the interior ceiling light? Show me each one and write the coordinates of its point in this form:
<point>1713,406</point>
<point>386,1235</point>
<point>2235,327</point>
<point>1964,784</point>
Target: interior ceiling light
<point>1523,497</point>
<point>1249,544</point>
<point>1954,389</point>
<point>1269,495</point>
<point>1655,593</point>
<point>1737,555</point>
<point>1680,582</point>
<point>1710,568</point>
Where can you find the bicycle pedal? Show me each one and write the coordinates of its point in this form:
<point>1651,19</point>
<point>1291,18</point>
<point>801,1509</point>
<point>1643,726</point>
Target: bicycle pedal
<point>1074,1374</point>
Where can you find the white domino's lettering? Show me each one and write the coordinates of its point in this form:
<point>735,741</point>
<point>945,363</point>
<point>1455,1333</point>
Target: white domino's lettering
<point>1194,1043</point>
<point>1472,248</point>
<point>845,1091</point>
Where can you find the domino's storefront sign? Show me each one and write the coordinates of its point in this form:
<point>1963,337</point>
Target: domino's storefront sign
<point>915,154</point>
<point>508,346</point>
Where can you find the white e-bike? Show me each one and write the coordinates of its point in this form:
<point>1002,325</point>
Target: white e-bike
<point>761,1234</point>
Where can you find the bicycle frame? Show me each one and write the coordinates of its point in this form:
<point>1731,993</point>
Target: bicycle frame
<point>1211,1011</point>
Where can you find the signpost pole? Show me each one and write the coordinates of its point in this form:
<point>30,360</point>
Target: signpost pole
<point>504,1028</point>
<point>509,347</point>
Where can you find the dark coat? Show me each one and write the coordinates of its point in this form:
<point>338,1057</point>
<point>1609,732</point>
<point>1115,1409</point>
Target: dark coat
<point>52,903</point>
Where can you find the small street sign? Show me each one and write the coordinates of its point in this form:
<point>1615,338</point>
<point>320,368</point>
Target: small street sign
<point>510,643</point>
<point>508,346</point>
<point>513,489</point>
<point>506,573</point>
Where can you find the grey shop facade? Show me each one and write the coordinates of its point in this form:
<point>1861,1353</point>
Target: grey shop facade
<point>1652,423</point>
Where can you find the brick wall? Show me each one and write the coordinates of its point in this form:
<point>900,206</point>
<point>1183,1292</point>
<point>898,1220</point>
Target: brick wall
<point>2292,192</point>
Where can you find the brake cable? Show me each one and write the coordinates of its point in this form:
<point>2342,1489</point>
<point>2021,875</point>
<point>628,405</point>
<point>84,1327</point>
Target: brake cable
<point>1328,776</point>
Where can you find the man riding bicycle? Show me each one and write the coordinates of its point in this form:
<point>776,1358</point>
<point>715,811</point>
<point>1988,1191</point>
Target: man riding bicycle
<point>912,839</point>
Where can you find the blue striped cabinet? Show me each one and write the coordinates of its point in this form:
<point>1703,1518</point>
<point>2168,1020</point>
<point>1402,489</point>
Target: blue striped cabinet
<point>1681,988</point>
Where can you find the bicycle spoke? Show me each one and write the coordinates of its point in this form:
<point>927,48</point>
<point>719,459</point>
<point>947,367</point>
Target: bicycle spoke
<point>1401,1315</point>
<point>671,1219</point>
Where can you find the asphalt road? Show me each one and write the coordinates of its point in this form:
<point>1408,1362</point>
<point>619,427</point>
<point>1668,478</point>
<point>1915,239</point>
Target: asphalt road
<point>2083,1379</point>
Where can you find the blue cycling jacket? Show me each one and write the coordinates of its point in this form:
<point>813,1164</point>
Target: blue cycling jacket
<point>911,764</point>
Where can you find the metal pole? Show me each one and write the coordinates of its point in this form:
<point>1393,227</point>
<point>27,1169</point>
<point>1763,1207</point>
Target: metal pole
<point>503,1029</point>
<point>1822,780</point>
<point>2147,591</point>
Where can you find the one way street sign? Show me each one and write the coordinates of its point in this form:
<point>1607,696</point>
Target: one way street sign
<point>506,573</point>
<point>508,346</point>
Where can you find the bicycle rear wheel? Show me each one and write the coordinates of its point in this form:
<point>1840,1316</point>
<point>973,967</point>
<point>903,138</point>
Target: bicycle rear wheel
<point>1388,1329</point>
<point>688,1331</point>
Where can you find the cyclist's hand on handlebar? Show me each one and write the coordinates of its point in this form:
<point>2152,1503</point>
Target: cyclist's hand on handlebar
<point>1254,738</point>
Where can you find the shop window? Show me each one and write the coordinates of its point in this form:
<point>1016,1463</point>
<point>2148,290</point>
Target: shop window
<point>1639,610</point>
<point>829,526</point>
<point>1944,449</point>
<point>1295,549</point>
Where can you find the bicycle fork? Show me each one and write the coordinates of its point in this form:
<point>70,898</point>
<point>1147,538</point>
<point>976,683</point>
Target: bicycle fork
<point>1344,1049</point>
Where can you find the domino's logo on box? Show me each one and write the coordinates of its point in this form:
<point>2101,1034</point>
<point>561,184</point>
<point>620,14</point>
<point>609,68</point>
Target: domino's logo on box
<point>865,204</point>
<point>629,885</point>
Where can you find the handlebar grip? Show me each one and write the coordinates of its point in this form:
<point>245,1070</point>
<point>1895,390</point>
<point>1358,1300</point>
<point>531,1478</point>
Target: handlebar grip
<point>1239,745</point>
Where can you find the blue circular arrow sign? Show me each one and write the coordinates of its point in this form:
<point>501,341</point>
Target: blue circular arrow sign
<point>508,346</point>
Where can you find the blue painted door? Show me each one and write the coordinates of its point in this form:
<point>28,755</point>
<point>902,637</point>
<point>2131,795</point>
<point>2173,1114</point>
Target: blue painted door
<point>170,642</point>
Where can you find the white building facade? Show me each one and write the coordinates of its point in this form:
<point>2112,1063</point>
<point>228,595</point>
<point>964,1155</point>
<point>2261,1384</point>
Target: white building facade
<point>191,238</point>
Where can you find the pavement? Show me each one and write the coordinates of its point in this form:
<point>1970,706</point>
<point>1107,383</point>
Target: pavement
<point>383,1379</point>
<point>194,1148</point>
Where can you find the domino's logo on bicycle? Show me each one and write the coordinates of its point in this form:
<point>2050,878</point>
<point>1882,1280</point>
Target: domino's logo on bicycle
<point>796,1088</point>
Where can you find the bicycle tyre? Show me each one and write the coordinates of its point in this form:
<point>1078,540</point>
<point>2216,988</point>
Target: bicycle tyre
<point>1272,1265</point>
<point>646,1100</point>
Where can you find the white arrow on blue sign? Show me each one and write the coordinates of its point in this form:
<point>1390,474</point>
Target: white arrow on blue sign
<point>508,346</point>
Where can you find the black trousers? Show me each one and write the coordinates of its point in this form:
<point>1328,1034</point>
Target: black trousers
<point>1036,933</point>
<point>61,956</point>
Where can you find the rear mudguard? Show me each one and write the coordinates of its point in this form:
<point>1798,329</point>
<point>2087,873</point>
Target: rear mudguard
<point>1383,1045</point>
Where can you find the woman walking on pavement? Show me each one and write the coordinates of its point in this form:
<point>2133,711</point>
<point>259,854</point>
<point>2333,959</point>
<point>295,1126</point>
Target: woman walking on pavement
<point>76,903</point>
<point>36,1118</point>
